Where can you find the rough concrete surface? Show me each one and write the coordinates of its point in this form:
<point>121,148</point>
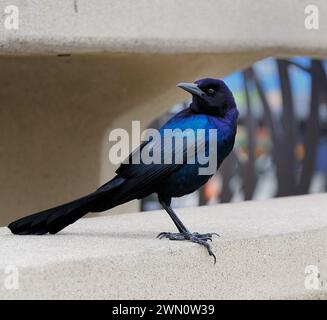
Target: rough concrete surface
<point>83,26</point>
<point>263,251</point>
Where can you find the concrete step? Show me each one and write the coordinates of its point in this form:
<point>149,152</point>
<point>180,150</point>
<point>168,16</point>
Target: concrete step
<point>263,252</point>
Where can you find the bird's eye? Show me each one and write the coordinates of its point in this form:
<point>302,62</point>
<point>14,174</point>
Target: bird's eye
<point>210,92</point>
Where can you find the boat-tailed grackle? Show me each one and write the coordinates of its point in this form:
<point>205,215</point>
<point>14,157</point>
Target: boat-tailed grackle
<point>212,108</point>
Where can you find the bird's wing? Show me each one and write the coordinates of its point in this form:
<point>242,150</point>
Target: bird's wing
<point>146,174</point>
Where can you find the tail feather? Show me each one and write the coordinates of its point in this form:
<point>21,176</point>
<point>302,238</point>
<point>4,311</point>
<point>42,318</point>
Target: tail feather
<point>55,219</point>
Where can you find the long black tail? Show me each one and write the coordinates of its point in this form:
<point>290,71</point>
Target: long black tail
<point>55,219</point>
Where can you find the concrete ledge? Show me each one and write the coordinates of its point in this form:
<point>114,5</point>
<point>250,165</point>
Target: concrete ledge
<point>82,26</point>
<point>262,253</point>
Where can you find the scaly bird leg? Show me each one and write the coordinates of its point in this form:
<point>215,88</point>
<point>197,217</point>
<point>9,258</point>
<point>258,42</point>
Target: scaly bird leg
<point>184,233</point>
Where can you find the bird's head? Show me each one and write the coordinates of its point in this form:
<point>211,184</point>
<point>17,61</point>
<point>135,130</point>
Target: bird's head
<point>210,96</point>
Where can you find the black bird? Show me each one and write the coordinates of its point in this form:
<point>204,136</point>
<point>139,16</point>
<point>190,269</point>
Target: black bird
<point>212,107</point>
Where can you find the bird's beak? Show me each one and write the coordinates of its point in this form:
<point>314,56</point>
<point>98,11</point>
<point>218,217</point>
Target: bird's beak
<point>192,88</point>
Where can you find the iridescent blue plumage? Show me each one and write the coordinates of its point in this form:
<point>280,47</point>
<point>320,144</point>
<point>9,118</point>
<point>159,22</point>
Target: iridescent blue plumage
<point>187,178</point>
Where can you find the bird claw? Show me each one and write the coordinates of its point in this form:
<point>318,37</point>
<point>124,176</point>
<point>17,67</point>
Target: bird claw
<point>195,237</point>
<point>172,236</point>
<point>206,236</point>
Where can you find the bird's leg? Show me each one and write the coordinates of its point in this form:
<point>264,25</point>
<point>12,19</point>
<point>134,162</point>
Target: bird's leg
<point>184,233</point>
<point>179,224</point>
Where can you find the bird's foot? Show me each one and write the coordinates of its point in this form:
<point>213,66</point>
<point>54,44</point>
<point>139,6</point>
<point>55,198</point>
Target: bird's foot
<point>193,237</point>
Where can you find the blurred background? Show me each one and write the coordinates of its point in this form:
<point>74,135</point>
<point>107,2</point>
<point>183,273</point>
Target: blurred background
<point>281,142</point>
